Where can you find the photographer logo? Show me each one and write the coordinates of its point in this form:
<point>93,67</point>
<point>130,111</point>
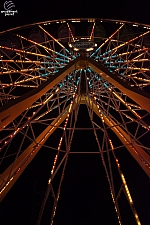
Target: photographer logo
<point>9,7</point>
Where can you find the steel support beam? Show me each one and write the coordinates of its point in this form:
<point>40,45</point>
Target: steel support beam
<point>139,96</point>
<point>7,180</point>
<point>14,108</point>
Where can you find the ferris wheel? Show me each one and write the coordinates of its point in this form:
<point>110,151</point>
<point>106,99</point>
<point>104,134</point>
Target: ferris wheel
<point>49,69</point>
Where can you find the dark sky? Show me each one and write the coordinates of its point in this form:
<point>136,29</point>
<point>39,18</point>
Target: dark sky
<point>84,204</point>
<point>36,11</point>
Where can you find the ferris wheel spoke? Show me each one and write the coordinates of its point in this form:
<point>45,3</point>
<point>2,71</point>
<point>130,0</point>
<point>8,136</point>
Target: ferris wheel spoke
<point>143,80</point>
<point>138,153</point>
<point>110,89</point>
<point>45,48</point>
<point>17,83</point>
<point>71,33</point>
<point>114,103</point>
<point>21,61</point>
<point>58,193</point>
<point>127,42</point>
<point>92,31</point>
<point>108,39</point>
<point>27,118</point>
<point>25,52</point>
<point>137,96</point>
<point>124,115</point>
<point>50,189</point>
<point>113,100</point>
<point>126,53</point>
<point>54,107</point>
<point>138,123</point>
<point>128,61</point>
<point>55,168</point>
<point>68,145</point>
<point>21,71</point>
<point>108,173</point>
<point>62,46</point>
<point>124,184</point>
<point>28,99</point>
<point>134,68</point>
<point>119,59</point>
<point>25,158</point>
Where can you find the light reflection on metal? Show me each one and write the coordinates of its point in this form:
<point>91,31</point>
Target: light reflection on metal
<point>125,186</point>
<point>106,96</point>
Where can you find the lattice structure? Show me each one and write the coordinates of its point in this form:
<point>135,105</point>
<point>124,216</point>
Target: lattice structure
<point>46,76</point>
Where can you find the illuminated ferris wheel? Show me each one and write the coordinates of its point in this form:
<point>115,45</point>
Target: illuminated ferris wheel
<point>49,69</point>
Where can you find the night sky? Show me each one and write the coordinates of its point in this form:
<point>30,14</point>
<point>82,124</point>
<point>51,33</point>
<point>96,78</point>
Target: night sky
<point>38,11</point>
<point>85,196</point>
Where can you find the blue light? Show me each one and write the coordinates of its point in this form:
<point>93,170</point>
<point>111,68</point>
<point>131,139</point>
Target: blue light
<point>55,67</point>
<point>62,55</point>
<point>45,74</point>
<point>55,71</point>
<point>63,60</point>
<point>94,52</point>
<point>105,85</point>
<point>41,68</point>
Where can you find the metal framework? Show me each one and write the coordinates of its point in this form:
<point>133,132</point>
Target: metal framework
<point>44,82</point>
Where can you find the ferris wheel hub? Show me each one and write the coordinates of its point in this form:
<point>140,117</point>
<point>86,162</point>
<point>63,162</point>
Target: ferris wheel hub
<point>82,44</point>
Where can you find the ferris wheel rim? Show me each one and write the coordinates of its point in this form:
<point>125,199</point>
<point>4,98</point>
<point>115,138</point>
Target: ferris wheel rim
<point>61,21</point>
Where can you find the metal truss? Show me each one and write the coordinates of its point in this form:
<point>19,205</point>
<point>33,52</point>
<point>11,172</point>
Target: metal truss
<point>43,84</point>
